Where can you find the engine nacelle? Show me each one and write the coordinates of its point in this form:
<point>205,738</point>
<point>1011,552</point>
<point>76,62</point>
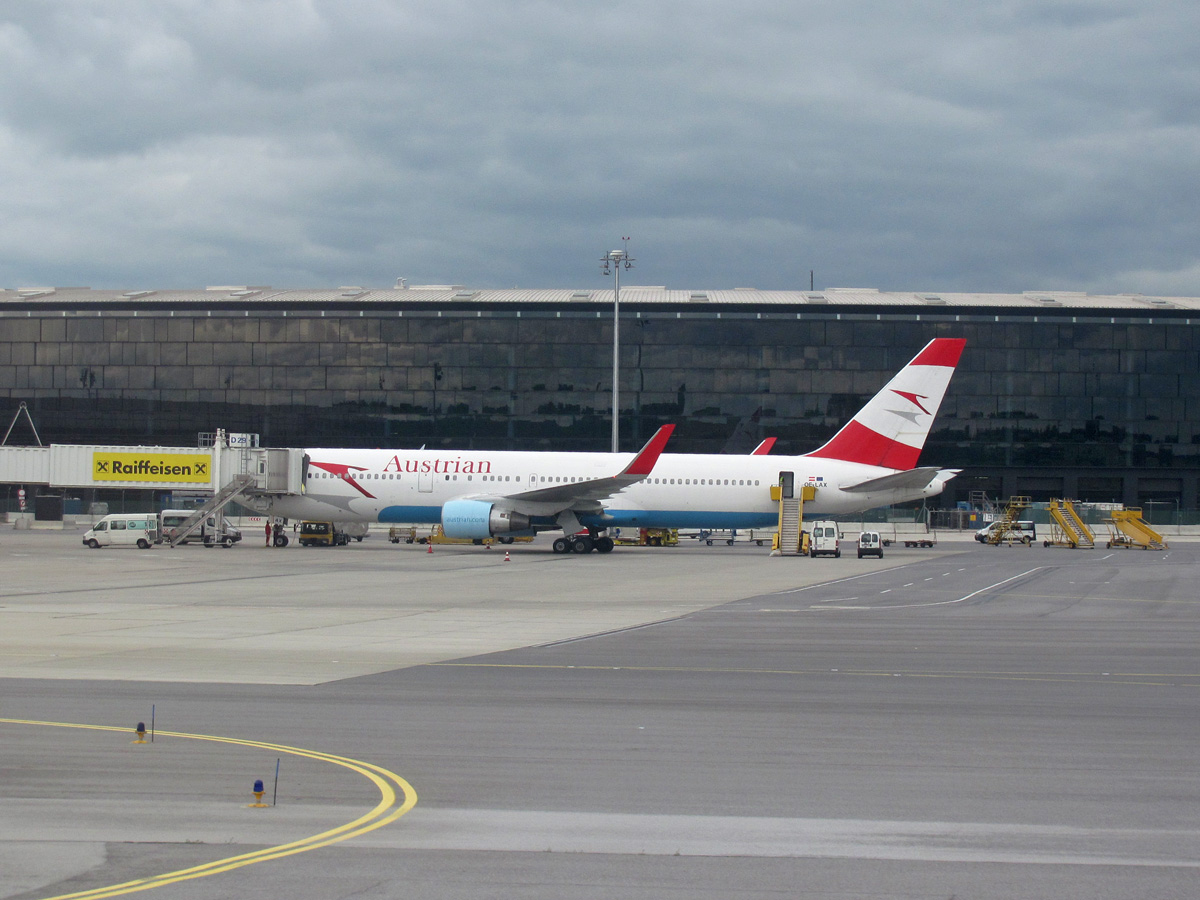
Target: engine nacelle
<point>478,519</point>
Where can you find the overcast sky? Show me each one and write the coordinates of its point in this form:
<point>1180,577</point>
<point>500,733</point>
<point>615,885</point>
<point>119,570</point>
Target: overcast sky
<point>930,145</point>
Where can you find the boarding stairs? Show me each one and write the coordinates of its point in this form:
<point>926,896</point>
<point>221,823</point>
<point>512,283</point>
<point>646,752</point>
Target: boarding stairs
<point>790,538</point>
<point>220,500</point>
<point>790,517</point>
<point>1128,529</point>
<point>1008,533</point>
<point>1067,529</point>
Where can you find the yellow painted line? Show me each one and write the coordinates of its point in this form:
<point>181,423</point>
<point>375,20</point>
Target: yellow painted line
<point>388,810</point>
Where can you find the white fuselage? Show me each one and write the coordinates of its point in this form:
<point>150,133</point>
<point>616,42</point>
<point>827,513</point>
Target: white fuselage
<point>683,490</point>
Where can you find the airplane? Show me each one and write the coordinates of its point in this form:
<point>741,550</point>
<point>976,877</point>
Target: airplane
<point>479,494</point>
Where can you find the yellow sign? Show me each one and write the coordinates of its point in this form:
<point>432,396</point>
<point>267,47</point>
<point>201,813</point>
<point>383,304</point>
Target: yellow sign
<point>174,468</point>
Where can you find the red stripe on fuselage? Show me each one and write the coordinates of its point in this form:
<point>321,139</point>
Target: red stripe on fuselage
<point>342,471</point>
<point>859,444</point>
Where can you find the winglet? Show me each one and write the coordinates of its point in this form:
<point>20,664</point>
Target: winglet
<point>764,448</point>
<point>643,463</point>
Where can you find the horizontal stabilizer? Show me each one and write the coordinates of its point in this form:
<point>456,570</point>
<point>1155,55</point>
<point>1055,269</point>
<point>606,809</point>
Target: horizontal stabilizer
<point>912,480</point>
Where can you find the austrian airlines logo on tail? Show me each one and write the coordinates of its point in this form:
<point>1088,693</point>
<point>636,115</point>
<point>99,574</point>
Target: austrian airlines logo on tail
<point>915,400</point>
<point>890,437</point>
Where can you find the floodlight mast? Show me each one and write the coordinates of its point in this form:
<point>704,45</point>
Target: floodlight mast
<point>613,262</point>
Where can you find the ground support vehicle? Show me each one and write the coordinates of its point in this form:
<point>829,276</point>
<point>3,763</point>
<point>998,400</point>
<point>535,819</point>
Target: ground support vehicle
<point>757,535</point>
<point>824,539</point>
<point>322,534</point>
<point>648,537</point>
<point>870,544</point>
<point>124,530</point>
<point>215,532</point>
<point>925,542</point>
<point>410,535</point>
<point>1127,529</point>
<point>355,530</point>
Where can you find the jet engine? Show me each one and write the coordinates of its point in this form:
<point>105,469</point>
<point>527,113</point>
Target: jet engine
<point>478,519</point>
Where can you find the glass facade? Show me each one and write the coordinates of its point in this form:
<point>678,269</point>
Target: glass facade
<point>1092,406</point>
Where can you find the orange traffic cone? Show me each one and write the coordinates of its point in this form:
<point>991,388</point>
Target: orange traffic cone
<point>506,556</point>
<point>430,550</point>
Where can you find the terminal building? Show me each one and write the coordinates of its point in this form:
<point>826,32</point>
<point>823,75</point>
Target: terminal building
<point>1058,394</point>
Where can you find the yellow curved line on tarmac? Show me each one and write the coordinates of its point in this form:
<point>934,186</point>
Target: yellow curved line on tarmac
<point>385,812</point>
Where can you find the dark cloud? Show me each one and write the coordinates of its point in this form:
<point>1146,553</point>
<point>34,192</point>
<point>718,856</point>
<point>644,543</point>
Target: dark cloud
<point>929,145</point>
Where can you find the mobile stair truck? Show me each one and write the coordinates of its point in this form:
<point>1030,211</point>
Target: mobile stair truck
<point>1066,528</point>
<point>1128,529</point>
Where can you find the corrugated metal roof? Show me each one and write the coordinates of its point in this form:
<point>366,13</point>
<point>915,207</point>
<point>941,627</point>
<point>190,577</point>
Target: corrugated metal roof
<point>261,296</point>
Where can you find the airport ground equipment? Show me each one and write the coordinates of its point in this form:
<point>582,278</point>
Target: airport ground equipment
<point>322,534</point>
<point>410,534</point>
<point>1007,532</point>
<point>1067,529</point>
<point>926,542</point>
<point>791,539</point>
<point>730,537</point>
<point>1128,529</point>
<point>216,506</point>
<point>651,537</point>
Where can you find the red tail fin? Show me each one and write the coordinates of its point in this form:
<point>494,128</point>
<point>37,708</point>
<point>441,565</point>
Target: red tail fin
<point>890,430</point>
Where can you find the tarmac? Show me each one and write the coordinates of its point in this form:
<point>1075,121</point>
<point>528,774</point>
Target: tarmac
<point>694,721</point>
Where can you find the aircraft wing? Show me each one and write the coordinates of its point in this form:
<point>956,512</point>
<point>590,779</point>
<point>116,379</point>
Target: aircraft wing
<point>591,492</point>
<point>912,480</point>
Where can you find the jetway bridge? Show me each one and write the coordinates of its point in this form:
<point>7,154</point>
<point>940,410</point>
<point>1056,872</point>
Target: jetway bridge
<point>227,472</point>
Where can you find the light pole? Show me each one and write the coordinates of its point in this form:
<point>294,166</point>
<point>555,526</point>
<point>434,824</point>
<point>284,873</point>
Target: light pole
<point>612,263</point>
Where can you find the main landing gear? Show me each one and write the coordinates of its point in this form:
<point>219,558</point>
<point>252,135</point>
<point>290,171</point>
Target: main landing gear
<point>583,543</point>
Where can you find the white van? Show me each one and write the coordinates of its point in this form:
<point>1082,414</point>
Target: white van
<point>124,530</point>
<point>1026,532</point>
<point>823,540</point>
<point>870,544</point>
<point>226,535</point>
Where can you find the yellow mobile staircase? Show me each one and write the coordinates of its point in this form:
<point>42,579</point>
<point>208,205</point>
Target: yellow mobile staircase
<point>1128,529</point>
<point>1066,528</point>
<point>791,539</point>
<point>1007,531</point>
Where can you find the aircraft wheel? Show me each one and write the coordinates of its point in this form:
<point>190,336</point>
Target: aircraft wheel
<point>604,545</point>
<point>282,541</point>
<point>582,545</point>
<point>562,545</point>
